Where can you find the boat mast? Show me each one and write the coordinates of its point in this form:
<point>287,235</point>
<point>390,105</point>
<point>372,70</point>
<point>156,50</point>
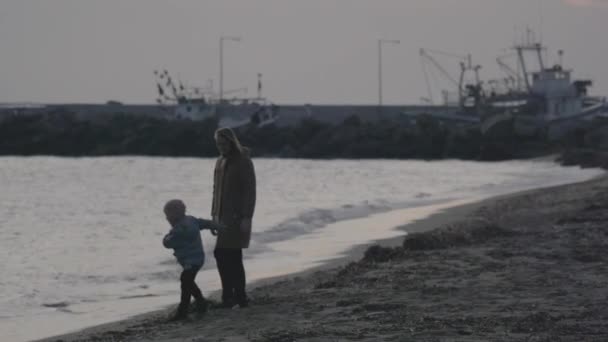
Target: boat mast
<point>530,46</point>
<point>464,68</point>
<point>539,52</point>
<point>522,62</point>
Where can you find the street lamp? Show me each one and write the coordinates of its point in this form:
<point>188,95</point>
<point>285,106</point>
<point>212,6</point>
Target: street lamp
<point>380,42</point>
<point>222,38</point>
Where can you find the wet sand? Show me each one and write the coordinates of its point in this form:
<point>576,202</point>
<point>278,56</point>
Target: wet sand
<point>525,267</point>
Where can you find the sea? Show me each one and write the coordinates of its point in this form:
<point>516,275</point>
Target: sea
<point>80,238</point>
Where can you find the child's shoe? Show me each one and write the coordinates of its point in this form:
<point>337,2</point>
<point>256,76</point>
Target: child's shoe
<point>201,306</point>
<point>180,315</point>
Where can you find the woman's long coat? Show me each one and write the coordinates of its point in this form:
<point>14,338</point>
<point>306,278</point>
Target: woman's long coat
<point>234,195</point>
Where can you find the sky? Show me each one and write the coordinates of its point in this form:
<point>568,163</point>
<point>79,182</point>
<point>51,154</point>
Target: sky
<point>308,51</point>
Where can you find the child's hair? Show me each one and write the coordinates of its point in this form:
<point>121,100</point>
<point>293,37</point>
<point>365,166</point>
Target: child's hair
<point>175,206</point>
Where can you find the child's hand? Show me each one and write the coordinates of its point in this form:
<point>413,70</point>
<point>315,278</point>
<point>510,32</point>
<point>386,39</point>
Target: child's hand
<point>211,225</point>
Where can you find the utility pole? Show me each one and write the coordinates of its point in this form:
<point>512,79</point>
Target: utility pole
<point>380,43</point>
<point>222,38</point>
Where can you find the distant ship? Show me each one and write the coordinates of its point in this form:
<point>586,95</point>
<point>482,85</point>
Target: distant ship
<point>200,103</point>
<point>545,103</point>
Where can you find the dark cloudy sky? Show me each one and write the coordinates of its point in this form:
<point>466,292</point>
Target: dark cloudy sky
<point>309,51</point>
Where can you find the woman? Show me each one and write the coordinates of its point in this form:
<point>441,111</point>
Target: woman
<point>233,206</point>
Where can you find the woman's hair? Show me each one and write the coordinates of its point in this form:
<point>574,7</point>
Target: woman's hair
<point>229,134</point>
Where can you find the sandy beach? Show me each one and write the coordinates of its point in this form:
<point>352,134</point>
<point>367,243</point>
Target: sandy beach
<point>525,267</point>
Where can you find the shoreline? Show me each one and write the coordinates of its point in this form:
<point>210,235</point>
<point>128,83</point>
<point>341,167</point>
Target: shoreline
<point>453,215</point>
<point>353,254</point>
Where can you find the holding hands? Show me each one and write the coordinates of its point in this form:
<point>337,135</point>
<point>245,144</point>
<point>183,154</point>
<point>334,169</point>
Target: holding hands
<point>212,225</point>
<point>216,220</point>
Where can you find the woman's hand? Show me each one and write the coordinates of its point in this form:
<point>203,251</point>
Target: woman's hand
<point>216,227</point>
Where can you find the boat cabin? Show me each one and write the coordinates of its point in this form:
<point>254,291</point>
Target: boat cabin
<point>562,98</point>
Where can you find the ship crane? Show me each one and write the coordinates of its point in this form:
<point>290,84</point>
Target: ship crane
<point>424,54</point>
<point>426,58</point>
<point>466,66</point>
<point>513,79</point>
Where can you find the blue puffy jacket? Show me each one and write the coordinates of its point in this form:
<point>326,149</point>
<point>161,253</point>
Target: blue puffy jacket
<point>185,239</point>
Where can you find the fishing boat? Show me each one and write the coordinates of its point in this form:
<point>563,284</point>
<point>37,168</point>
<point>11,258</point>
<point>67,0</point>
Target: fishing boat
<point>201,103</point>
<point>545,103</point>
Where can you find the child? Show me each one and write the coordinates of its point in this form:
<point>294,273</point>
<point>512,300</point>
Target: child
<point>185,239</point>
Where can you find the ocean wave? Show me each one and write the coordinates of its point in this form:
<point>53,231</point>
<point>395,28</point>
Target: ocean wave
<point>56,305</point>
<point>168,262</point>
<point>311,220</point>
<point>167,275</point>
<point>139,296</point>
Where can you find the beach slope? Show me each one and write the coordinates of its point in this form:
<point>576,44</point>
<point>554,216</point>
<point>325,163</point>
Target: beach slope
<point>528,267</point>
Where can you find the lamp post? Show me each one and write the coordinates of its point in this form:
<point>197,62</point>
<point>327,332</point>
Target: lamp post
<point>380,43</point>
<point>222,39</point>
